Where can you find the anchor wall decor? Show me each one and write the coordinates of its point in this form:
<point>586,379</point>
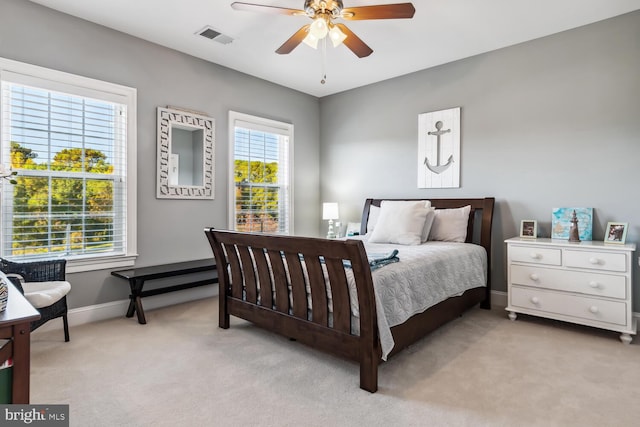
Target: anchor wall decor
<point>439,138</point>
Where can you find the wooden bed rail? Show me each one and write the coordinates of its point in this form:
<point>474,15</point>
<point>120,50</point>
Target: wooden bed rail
<point>287,284</point>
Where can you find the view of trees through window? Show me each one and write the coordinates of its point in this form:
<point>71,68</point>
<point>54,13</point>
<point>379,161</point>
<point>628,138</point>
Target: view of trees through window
<point>261,181</point>
<point>66,150</point>
<point>256,200</point>
<point>61,214</point>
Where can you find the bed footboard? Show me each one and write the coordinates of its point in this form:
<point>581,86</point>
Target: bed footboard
<point>297,287</point>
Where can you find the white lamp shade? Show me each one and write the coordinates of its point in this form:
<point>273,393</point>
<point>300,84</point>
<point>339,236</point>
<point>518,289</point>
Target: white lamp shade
<point>311,41</point>
<point>319,28</point>
<point>336,36</point>
<point>330,211</point>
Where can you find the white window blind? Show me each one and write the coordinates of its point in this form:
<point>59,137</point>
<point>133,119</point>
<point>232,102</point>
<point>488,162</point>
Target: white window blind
<point>70,152</point>
<point>261,169</point>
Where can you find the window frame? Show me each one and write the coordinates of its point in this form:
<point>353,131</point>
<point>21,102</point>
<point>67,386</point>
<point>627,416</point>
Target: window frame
<point>54,80</point>
<point>265,125</point>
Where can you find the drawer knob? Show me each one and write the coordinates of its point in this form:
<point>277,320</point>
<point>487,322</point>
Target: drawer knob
<point>594,261</point>
<point>535,255</point>
<point>535,300</point>
<point>593,309</point>
<point>594,285</point>
<point>534,277</point>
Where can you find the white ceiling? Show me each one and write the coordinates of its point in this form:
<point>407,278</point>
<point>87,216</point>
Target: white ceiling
<point>441,31</point>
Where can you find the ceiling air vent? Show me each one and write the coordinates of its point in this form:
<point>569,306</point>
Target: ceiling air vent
<point>212,34</point>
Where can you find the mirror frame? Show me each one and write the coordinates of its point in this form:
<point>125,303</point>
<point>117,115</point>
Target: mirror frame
<point>167,117</point>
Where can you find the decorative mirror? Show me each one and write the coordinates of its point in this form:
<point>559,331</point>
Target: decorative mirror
<point>185,155</point>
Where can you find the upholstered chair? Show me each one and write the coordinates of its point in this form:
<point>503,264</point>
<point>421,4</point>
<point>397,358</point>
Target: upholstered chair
<point>44,285</point>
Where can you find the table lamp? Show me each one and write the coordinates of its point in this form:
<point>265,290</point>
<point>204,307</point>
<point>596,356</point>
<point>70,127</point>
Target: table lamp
<point>330,212</point>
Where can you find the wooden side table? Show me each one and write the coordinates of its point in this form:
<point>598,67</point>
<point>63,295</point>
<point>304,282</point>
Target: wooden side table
<point>15,327</point>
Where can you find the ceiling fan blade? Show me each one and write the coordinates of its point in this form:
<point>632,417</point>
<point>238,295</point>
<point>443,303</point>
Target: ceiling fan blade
<point>294,40</point>
<point>383,11</point>
<point>274,10</point>
<point>354,43</point>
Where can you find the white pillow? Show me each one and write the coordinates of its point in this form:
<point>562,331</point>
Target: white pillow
<point>374,214</point>
<point>428,223</point>
<point>400,222</point>
<point>43,294</point>
<point>450,225</point>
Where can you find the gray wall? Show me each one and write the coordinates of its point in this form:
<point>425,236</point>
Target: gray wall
<point>168,230</point>
<point>549,123</point>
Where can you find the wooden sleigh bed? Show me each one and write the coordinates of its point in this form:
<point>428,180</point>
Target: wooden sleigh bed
<point>298,272</point>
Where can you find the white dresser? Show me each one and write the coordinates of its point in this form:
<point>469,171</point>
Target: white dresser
<point>587,283</point>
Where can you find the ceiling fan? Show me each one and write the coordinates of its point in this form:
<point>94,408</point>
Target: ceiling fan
<point>323,13</point>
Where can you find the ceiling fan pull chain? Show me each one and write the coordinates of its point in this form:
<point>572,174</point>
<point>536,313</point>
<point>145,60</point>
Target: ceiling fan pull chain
<point>324,61</point>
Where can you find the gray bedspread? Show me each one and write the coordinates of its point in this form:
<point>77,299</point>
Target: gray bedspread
<point>425,275</point>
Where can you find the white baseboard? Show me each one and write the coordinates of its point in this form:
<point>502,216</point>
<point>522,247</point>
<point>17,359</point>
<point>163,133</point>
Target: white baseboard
<point>95,313</point>
<point>110,310</point>
<point>498,299</point>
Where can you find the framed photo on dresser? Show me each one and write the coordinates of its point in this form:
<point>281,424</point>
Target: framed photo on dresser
<point>529,228</point>
<point>616,232</point>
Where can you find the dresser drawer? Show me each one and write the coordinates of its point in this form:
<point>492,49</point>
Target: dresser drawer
<point>592,309</point>
<point>596,260</point>
<point>535,255</point>
<point>606,285</point>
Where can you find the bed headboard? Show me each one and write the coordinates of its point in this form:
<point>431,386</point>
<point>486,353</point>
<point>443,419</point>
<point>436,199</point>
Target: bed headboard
<point>478,228</point>
<point>480,217</point>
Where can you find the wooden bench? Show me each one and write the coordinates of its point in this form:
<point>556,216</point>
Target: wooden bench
<point>137,277</point>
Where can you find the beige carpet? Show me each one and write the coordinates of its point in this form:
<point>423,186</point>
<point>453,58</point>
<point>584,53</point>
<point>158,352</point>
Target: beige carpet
<point>480,370</point>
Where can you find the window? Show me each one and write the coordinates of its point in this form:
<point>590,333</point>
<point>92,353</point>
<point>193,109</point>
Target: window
<point>261,194</point>
<point>72,141</point>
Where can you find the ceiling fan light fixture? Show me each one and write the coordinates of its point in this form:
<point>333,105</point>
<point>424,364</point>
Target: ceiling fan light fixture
<point>323,13</point>
<point>319,28</point>
<point>336,36</point>
<point>311,41</point>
